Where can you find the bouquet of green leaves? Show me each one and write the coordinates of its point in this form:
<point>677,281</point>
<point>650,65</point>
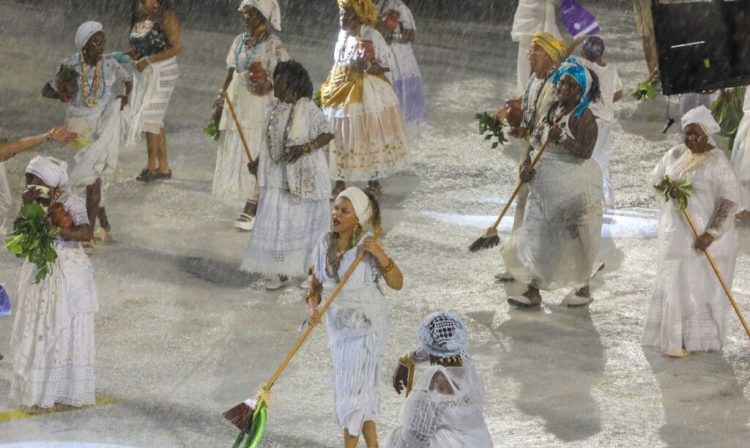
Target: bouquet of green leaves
<point>212,130</point>
<point>681,190</point>
<point>33,239</point>
<point>492,127</point>
<point>727,110</point>
<point>647,89</point>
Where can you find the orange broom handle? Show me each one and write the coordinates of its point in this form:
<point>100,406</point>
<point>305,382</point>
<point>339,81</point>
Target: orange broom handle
<point>237,124</point>
<point>724,285</point>
<point>309,328</point>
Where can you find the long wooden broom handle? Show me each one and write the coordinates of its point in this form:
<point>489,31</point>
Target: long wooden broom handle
<point>569,51</point>
<point>237,124</point>
<point>513,195</point>
<point>724,285</point>
<point>309,328</point>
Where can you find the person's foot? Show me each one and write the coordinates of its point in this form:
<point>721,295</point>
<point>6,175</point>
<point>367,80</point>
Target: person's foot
<point>744,215</point>
<point>162,174</point>
<point>245,222</point>
<point>582,297</point>
<point>337,189</point>
<point>146,175</point>
<point>676,353</point>
<point>529,299</point>
<point>504,277</point>
<point>276,282</point>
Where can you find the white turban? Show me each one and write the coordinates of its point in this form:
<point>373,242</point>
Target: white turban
<point>360,202</point>
<point>269,8</point>
<point>52,171</point>
<point>703,118</point>
<point>85,32</point>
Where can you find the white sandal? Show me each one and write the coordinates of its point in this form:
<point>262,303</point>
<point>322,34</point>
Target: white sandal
<point>245,222</point>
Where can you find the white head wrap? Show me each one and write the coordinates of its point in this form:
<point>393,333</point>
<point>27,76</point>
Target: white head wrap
<point>703,118</point>
<point>85,32</point>
<point>52,171</point>
<point>443,334</point>
<point>269,8</point>
<point>360,202</point>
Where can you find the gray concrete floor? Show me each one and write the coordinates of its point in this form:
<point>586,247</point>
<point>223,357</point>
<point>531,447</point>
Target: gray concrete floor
<point>183,334</point>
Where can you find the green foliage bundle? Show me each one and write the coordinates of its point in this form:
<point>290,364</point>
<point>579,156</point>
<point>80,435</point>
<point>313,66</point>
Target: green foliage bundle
<point>492,127</point>
<point>33,239</point>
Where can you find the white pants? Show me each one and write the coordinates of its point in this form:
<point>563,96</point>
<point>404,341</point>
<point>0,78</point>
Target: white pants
<point>601,156</point>
<point>523,65</point>
<point>6,202</point>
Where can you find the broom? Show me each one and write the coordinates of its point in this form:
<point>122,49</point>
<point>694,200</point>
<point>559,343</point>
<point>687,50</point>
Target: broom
<point>491,239</point>
<point>680,191</point>
<point>250,415</point>
<point>237,125</point>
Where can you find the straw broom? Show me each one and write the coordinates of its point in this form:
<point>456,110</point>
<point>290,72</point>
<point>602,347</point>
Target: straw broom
<point>250,415</point>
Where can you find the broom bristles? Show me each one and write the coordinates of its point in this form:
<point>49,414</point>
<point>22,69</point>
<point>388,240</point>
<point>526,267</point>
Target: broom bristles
<point>241,414</point>
<point>484,242</point>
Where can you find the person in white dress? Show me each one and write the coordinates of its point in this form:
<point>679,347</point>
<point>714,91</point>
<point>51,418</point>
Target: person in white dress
<point>52,341</point>
<point>293,176</point>
<point>689,309</point>
<point>360,103</point>
<point>10,149</point>
<point>251,61</point>
<point>399,30</point>
<point>611,88</point>
<point>95,114</point>
<point>444,409</point>
<point>357,321</point>
<point>741,159</point>
<point>558,244</point>
<point>532,16</point>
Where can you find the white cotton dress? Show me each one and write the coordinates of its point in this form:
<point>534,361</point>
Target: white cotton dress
<point>357,325</point>
<point>370,135</point>
<point>432,419</point>
<point>741,154</point>
<point>294,209</point>
<point>558,244</point>
<point>52,343</point>
<point>232,181</point>
<point>688,308</point>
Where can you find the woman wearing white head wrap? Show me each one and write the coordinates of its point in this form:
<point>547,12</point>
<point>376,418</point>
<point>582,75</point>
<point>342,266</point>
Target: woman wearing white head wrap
<point>251,61</point>
<point>52,341</point>
<point>444,409</point>
<point>688,309</point>
<point>85,81</point>
<point>357,321</point>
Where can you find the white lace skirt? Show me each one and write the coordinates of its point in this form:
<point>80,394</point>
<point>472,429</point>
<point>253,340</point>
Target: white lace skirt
<point>287,229</point>
<point>232,181</point>
<point>152,91</point>
<point>370,137</point>
<point>53,348</point>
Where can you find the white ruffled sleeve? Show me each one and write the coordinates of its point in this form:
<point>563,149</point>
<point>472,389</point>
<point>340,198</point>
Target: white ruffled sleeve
<point>231,55</point>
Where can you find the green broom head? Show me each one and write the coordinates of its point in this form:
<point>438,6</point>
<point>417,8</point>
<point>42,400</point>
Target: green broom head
<point>491,128</point>
<point>679,190</point>
<point>251,436</point>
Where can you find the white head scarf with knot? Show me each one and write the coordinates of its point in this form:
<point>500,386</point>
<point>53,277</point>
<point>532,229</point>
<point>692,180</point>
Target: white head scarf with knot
<point>85,31</point>
<point>443,334</point>
<point>51,171</point>
<point>269,8</point>
<point>703,118</point>
<point>360,202</point>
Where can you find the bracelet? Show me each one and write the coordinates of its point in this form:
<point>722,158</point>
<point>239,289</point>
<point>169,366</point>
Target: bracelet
<point>388,268</point>
<point>49,136</point>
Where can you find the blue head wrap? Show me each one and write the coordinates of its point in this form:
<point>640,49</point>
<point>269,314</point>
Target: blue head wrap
<point>571,67</point>
<point>443,334</point>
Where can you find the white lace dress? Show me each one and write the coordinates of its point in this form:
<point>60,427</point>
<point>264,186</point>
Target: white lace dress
<point>357,325</point>
<point>294,209</point>
<point>688,308</point>
<point>431,418</point>
<point>52,343</point>
<point>232,182</point>
<point>371,141</point>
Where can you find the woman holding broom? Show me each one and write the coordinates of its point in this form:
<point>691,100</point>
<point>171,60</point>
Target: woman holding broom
<point>251,61</point>
<point>558,243</point>
<point>688,308</point>
<point>357,322</point>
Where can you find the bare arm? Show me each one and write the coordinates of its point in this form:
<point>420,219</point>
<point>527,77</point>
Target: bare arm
<point>584,132</point>
<point>59,133</point>
<point>49,92</point>
<point>174,38</point>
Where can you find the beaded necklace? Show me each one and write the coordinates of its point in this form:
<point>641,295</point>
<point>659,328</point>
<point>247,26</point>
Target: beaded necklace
<point>252,51</point>
<point>272,123</point>
<point>91,93</point>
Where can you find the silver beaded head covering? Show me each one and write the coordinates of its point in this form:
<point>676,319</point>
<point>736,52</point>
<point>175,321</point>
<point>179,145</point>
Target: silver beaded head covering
<point>443,334</point>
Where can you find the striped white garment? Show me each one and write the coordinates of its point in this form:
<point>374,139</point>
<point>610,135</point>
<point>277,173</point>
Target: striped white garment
<point>152,90</point>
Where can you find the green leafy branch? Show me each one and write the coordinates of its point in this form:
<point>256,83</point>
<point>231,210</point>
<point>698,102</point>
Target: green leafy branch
<point>491,127</point>
<point>648,89</point>
<point>318,98</point>
<point>212,130</point>
<point>33,239</point>
<point>67,73</point>
<point>681,190</point>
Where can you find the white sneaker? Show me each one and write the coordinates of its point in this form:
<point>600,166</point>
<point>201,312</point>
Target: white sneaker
<point>245,223</point>
<point>306,283</point>
<point>572,300</point>
<point>275,282</point>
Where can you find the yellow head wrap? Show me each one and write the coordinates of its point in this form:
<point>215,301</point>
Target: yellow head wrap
<point>365,10</point>
<point>553,47</point>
